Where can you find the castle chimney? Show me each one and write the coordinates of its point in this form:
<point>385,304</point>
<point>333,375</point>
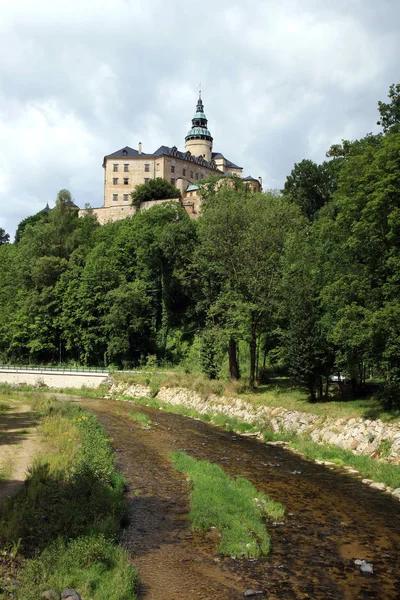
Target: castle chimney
<point>260,180</point>
<point>140,147</point>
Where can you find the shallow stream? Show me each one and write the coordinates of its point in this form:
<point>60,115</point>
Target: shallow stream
<point>331,519</point>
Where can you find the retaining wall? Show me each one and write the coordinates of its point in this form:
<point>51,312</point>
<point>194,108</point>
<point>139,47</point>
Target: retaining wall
<point>52,379</point>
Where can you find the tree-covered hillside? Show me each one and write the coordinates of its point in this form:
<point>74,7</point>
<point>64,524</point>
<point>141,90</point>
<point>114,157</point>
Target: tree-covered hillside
<point>305,280</point>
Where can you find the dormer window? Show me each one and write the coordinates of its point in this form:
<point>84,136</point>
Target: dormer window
<point>124,151</point>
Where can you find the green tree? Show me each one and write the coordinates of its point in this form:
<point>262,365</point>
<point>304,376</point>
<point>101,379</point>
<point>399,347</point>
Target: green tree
<point>390,111</point>
<point>4,237</point>
<point>311,186</point>
<point>155,189</point>
<point>360,260</point>
<point>309,355</point>
<point>242,237</point>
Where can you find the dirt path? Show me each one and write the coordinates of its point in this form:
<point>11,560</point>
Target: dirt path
<point>18,446</point>
<point>331,518</point>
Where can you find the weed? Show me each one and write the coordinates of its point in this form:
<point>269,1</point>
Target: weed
<point>385,449</point>
<point>140,418</point>
<point>234,507</point>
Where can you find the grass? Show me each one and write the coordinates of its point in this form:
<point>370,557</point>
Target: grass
<point>234,507</point>
<point>140,418</point>
<point>6,469</point>
<point>91,564</point>
<point>368,467</point>
<point>66,519</point>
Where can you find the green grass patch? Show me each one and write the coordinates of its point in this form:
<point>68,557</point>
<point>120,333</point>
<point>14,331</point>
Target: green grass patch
<point>72,502</point>
<point>367,466</point>
<point>91,564</point>
<point>234,507</point>
<point>140,418</point>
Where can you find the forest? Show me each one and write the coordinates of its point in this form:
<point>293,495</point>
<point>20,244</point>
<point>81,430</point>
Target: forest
<point>302,281</point>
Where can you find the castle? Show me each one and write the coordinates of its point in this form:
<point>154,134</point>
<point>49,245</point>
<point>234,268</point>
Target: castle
<point>127,168</point>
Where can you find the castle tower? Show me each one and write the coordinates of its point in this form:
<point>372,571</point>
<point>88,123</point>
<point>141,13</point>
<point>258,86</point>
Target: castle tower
<point>199,141</point>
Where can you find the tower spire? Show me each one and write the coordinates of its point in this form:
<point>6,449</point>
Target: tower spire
<point>199,139</point>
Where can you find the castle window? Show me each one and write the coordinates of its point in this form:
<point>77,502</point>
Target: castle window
<point>147,168</point>
<point>115,167</point>
<point>191,193</point>
<point>173,181</point>
<point>172,168</point>
<point>191,174</point>
<point>146,180</point>
<point>126,180</point>
<point>126,168</point>
<point>115,197</point>
<point>197,175</point>
<point>157,166</point>
<point>115,180</point>
<point>184,172</point>
<point>126,197</point>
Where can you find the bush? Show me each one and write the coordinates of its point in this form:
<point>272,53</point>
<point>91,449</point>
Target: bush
<point>389,396</point>
<point>91,564</point>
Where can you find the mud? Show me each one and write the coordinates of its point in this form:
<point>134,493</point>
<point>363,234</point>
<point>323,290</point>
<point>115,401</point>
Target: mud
<point>331,518</point>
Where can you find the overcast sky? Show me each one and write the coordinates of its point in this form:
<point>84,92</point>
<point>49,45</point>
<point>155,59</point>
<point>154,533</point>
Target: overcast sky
<point>282,80</point>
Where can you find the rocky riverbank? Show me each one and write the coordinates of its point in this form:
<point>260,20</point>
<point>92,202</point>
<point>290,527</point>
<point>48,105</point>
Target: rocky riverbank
<point>362,436</point>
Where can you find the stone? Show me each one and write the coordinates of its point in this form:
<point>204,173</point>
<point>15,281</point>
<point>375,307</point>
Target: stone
<point>249,593</point>
<point>396,492</point>
<point>378,486</point>
<point>70,594</point>
<point>365,567</point>
<point>367,481</point>
<point>50,595</point>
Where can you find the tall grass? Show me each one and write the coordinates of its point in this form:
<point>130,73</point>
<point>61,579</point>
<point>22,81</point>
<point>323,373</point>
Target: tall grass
<point>66,519</point>
<point>234,507</point>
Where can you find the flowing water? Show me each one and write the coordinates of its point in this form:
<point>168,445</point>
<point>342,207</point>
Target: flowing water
<point>331,519</point>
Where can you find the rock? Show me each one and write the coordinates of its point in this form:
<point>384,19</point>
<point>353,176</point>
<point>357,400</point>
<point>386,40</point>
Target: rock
<point>50,595</point>
<point>249,593</point>
<point>365,567</point>
<point>396,492</point>
<point>378,486</point>
<point>367,481</point>
<point>70,594</point>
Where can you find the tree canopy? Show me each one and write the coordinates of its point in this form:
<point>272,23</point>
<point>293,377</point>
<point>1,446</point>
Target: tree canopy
<point>154,189</point>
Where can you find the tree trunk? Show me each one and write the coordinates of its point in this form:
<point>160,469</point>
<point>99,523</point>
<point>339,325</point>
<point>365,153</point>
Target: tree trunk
<point>320,389</point>
<point>233,363</point>
<point>253,353</point>
<point>327,388</point>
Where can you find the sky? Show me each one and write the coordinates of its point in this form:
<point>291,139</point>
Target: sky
<point>281,81</point>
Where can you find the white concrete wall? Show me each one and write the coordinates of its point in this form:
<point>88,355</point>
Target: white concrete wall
<point>55,379</point>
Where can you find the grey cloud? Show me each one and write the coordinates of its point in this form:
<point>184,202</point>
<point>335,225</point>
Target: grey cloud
<point>282,81</point>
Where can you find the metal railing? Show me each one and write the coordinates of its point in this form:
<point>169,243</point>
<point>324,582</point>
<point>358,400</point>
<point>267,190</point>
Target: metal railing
<point>58,368</point>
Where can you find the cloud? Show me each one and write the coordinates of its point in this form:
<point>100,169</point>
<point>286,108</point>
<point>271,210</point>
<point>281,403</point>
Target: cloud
<point>281,82</point>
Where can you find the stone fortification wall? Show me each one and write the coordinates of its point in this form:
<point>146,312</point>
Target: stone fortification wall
<point>358,435</point>
<point>107,214</point>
